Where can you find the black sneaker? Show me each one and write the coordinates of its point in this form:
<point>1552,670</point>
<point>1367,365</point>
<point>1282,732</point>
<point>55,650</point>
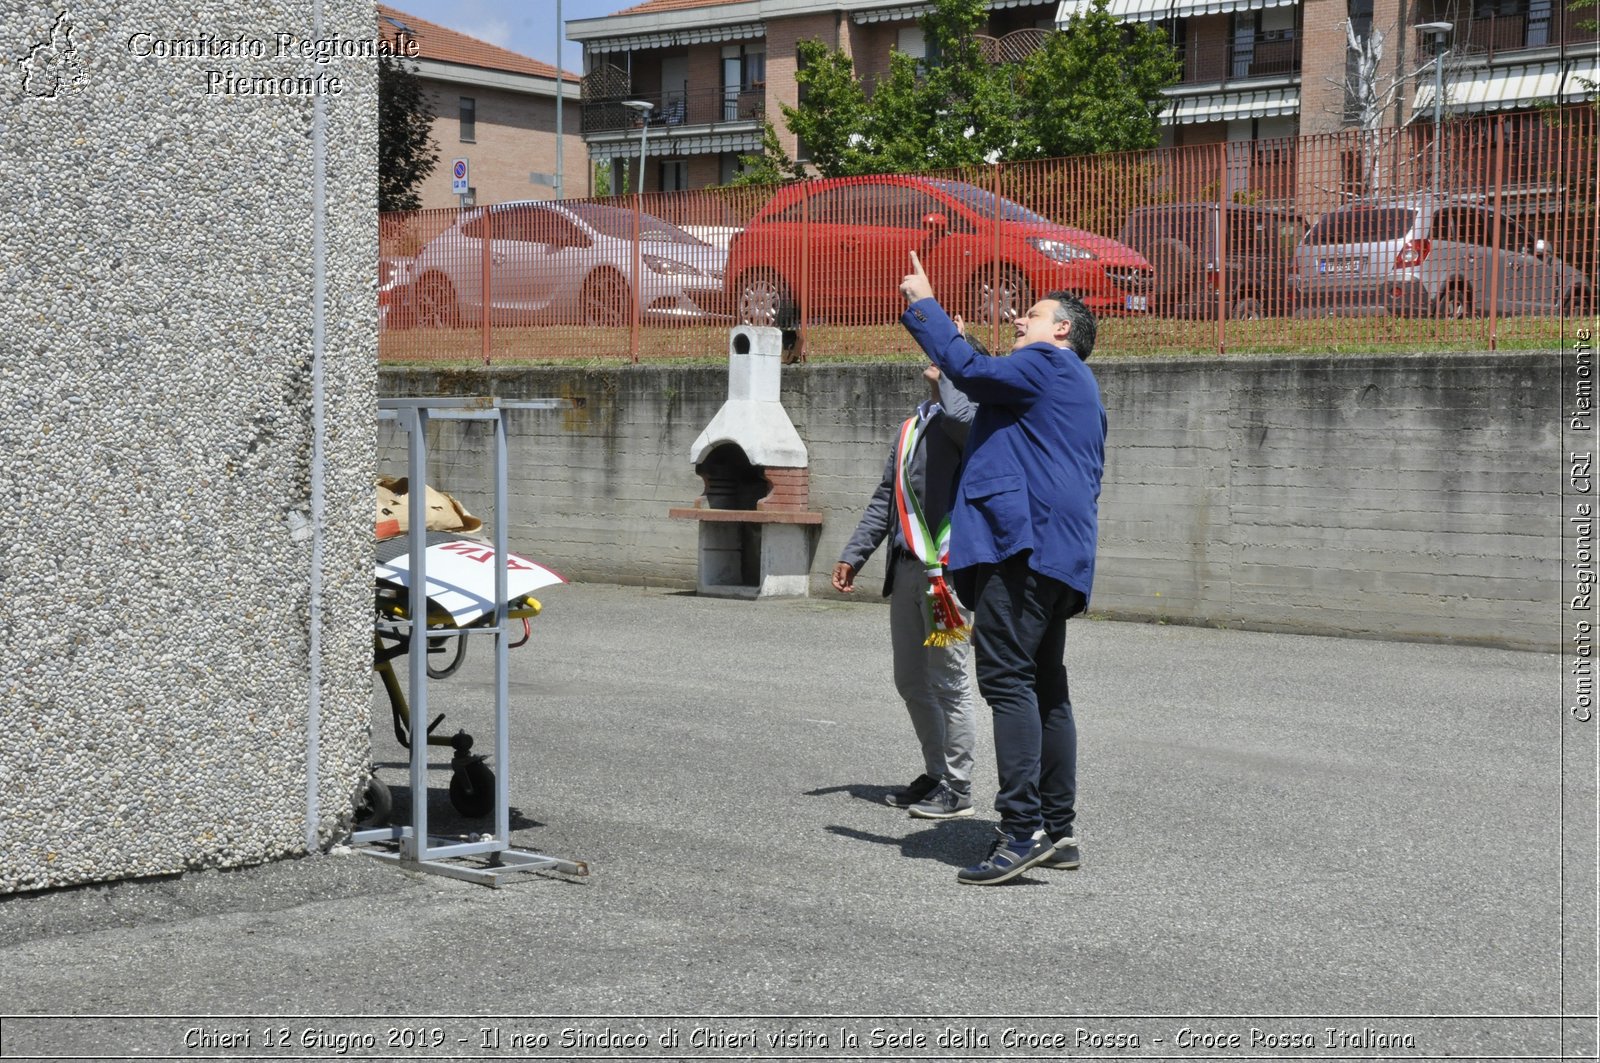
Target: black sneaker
<point>920,787</point>
<point>1065,854</point>
<point>943,803</point>
<point>1009,858</point>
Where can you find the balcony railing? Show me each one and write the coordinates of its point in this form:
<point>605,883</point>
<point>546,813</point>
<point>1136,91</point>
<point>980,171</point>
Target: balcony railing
<point>694,107</point>
<point>1515,33</point>
<point>1242,60</point>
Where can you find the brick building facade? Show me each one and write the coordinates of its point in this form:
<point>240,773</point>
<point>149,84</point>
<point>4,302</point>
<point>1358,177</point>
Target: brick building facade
<point>1255,72</point>
<point>496,109</point>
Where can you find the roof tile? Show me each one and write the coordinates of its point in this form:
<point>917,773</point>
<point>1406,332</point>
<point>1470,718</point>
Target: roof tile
<point>672,5</point>
<point>444,45</point>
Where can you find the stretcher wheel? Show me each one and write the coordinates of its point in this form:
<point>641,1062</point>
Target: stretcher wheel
<point>373,804</point>
<point>472,789</point>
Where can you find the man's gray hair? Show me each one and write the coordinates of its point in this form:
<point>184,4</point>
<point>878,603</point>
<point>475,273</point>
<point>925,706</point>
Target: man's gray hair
<point>1080,321</point>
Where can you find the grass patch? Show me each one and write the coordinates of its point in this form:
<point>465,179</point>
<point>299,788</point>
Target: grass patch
<point>699,345</point>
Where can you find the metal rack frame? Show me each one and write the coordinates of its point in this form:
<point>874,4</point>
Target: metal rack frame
<point>411,846</point>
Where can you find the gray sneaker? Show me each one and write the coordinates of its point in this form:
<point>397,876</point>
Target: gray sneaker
<point>945,802</point>
<point>1064,856</point>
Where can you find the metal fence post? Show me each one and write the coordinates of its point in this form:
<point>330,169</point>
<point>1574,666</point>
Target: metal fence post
<point>485,292</point>
<point>638,292</point>
<point>804,295</point>
<point>1496,260</point>
<point>994,265</point>
<point>1221,264</point>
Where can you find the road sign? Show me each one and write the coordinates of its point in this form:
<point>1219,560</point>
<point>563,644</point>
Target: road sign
<point>458,177</point>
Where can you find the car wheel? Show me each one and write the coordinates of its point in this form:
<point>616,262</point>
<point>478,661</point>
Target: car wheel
<point>1011,298</point>
<point>1578,303</point>
<point>764,299</point>
<point>436,302</point>
<point>403,314</point>
<point>1176,282</point>
<point>1247,308</point>
<point>373,805</point>
<point>1455,302</point>
<point>606,299</point>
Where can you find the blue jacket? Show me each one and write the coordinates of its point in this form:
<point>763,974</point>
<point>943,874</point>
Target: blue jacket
<point>1031,477</point>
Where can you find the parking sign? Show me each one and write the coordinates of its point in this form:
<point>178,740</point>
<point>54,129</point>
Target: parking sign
<point>458,177</point>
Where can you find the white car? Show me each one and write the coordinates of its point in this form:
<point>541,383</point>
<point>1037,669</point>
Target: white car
<point>567,263</point>
<point>1444,256</point>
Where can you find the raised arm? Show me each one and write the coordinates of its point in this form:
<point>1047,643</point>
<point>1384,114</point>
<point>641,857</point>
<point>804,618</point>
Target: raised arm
<point>1017,379</point>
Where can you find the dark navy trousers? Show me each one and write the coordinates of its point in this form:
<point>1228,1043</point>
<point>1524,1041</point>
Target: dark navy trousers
<point>1019,633</point>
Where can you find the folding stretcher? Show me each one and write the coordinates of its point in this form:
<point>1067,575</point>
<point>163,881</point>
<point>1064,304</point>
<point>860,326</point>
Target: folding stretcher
<point>460,586</point>
<point>465,586</point>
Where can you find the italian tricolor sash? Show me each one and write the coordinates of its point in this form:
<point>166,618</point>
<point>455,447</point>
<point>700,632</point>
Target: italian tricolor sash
<point>945,623</point>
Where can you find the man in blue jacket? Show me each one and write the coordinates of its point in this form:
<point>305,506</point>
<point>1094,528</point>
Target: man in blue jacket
<point>1023,531</point>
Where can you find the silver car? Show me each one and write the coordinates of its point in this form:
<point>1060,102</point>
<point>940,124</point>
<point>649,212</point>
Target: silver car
<point>1446,256</point>
<point>566,263</point>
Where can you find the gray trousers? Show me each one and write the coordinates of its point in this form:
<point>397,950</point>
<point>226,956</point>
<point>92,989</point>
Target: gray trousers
<point>932,680</point>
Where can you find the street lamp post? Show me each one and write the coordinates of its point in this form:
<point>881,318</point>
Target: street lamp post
<point>1437,32</point>
<point>644,107</point>
<point>561,101</point>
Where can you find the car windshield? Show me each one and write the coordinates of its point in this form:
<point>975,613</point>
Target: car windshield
<point>1362,225</point>
<point>1262,233</point>
<point>983,202</point>
<point>618,223</point>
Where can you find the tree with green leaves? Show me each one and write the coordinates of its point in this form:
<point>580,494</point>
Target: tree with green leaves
<point>1094,87</point>
<point>772,166</point>
<point>406,151</point>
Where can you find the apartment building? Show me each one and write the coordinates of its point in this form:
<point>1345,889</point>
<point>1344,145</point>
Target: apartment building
<point>1254,71</point>
<point>496,109</point>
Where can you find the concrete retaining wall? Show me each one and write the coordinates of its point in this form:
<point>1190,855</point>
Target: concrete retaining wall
<point>1409,497</point>
<point>159,284</point>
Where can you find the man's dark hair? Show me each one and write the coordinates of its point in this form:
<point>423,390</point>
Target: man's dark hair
<point>1080,322</point>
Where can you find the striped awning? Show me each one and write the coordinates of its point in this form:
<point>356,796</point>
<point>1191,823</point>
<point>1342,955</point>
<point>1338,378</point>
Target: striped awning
<point>675,38</point>
<point>1510,87</point>
<point>1157,10</point>
<point>670,147</point>
<point>1230,106</point>
<point>910,11</point>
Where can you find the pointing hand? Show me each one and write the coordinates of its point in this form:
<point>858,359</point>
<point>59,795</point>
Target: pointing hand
<point>915,285</point>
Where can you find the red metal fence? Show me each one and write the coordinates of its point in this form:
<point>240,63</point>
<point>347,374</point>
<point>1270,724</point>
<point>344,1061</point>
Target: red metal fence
<point>1383,241</point>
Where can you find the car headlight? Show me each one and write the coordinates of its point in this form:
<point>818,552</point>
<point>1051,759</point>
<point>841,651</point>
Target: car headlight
<point>1060,250</point>
<point>672,267</point>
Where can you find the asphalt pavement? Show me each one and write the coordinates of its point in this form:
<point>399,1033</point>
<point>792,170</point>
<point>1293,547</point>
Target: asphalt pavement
<point>1291,845</point>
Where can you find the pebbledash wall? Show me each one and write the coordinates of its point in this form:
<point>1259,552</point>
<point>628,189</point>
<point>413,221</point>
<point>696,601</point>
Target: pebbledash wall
<point>184,277</point>
<point>1412,497</point>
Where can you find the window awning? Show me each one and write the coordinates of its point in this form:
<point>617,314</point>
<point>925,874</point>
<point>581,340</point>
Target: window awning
<point>669,147</point>
<point>675,38</point>
<point>1508,87</point>
<point>1157,10</point>
<point>1229,106</point>
<point>901,14</point>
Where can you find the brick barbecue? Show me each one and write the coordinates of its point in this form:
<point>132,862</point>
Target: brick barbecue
<point>757,535</point>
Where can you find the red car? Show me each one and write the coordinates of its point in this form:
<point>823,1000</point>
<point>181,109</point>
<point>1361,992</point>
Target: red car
<point>840,246</point>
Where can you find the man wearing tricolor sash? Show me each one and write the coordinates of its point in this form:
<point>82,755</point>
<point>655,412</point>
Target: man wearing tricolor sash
<point>928,628</point>
<point>1024,527</point>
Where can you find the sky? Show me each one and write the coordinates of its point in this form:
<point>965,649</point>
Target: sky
<point>525,26</point>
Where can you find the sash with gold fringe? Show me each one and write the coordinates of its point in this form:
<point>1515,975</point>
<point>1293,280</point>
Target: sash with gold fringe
<point>945,623</point>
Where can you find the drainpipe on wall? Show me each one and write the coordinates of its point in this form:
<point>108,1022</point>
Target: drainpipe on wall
<point>319,298</point>
<point>1401,98</point>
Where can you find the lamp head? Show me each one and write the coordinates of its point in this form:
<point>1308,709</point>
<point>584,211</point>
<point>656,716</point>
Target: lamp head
<point>642,106</point>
